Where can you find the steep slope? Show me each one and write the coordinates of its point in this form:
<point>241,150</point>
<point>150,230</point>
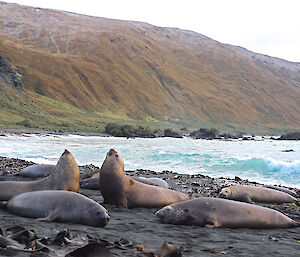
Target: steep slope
<point>133,70</point>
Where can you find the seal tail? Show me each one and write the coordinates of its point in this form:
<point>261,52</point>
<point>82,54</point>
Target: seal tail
<point>3,204</point>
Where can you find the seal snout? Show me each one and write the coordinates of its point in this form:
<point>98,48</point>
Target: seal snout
<point>105,220</point>
<point>111,152</point>
<point>66,151</point>
<point>164,212</point>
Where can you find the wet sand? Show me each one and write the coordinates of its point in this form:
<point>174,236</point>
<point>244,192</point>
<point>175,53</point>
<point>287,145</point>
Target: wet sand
<point>141,226</point>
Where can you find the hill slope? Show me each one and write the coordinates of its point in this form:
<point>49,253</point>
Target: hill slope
<point>135,71</point>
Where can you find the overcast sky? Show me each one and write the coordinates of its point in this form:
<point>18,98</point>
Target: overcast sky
<point>269,27</point>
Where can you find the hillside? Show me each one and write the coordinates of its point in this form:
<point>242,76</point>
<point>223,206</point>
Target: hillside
<point>136,72</point>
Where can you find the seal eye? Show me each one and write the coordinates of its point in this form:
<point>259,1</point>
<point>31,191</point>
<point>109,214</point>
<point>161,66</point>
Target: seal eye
<point>117,156</point>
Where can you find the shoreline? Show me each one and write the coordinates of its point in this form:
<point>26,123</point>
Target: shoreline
<point>141,227</point>
<point>233,136</point>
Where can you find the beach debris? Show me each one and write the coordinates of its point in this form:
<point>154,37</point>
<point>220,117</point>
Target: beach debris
<point>169,250</point>
<point>91,249</point>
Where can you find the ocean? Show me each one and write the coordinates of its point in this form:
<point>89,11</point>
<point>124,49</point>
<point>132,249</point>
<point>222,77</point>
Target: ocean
<point>264,160</point>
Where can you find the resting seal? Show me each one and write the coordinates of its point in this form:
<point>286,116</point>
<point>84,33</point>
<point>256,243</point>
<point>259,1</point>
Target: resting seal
<point>65,177</point>
<point>94,183</point>
<point>223,213</point>
<point>152,181</point>
<point>282,189</point>
<point>58,205</point>
<point>37,171</point>
<point>91,183</point>
<point>253,194</point>
<point>118,189</point>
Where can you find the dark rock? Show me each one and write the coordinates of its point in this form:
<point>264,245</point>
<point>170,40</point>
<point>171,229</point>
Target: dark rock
<point>204,133</point>
<point>128,131</point>
<point>290,136</point>
<point>10,75</point>
<point>171,133</point>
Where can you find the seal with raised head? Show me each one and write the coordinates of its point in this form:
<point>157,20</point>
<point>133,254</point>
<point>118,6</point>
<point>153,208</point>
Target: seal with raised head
<point>59,205</point>
<point>118,189</point>
<point>65,177</point>
<point>253,194</point>
<point>37,171</point>
<point>223,213</point>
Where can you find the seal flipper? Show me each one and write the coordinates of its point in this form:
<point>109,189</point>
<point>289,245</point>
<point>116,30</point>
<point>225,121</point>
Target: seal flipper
<point>51,217</point>
<point>212,223</point>
<point>245,198</point>
<point>122,203</point>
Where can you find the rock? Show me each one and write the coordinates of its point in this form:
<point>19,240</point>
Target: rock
<point>290,136</point>
<point>10,75</point>
<point>171,133</point>
<point>204,133</point>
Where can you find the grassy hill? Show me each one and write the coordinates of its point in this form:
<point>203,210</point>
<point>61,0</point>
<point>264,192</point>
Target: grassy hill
<point>84,72</point>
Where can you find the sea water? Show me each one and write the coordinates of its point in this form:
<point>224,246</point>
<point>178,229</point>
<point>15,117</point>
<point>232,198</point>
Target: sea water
<point>265,161</point>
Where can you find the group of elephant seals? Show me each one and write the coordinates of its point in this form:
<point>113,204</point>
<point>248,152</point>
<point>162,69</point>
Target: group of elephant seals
<point>94,183</point>
<point>65,177</point>
<point>118,189</point>
<point>37,171</point>
<point>253,194</point>
<point>223,213</point>
<point>58,205</point>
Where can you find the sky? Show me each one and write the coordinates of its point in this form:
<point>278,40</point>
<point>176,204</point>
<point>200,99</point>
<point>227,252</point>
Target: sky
<point>270,27</point>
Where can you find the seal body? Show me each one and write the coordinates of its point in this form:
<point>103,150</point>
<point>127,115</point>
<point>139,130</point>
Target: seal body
<point>223,213</point>
<point>282,189</point>
<point>118,189</point>
<point>250,194</point>
<point>58,205</point>
<point>65,177</point>
<point>152,181</point>
<point>37,171</point>
<point>94,183</point>
<point>91,183</point>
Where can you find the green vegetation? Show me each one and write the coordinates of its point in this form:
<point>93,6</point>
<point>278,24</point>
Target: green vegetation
<point>32,111</point>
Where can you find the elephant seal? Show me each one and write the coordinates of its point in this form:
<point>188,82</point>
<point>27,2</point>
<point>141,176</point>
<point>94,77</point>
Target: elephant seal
<point>118,189</point>
<point>93,182</point>
<point>282,189</point>
<point>223,213</point>
<point>152,181</point>
<point>65,177</point>
<point>253,194</point>
<point>37,171</point>
<point>58,205</point>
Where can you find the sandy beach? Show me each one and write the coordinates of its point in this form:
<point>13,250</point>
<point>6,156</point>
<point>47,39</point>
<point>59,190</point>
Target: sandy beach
<point>129,228</point>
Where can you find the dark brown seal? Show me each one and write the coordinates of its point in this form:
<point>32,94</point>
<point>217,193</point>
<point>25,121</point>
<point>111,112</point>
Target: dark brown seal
<point>59,205</point>
<point>118,189</point>
<point>65,177</point>
<point>223,213</point>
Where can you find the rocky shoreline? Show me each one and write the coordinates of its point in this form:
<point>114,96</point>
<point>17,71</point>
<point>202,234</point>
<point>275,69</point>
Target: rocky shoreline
<point>141,227</point>
<point>141,132</point>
